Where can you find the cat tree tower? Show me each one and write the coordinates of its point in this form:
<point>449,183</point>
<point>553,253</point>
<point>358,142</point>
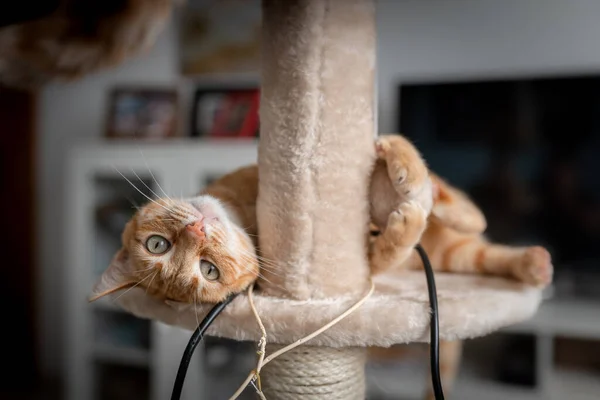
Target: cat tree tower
<point>315,158</point>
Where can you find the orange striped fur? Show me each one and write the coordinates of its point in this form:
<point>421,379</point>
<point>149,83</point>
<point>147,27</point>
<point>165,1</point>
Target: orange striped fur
<point>404,173</point>
<point>454,242</point>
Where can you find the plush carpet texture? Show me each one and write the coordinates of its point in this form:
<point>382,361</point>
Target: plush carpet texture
<point>398,311</point>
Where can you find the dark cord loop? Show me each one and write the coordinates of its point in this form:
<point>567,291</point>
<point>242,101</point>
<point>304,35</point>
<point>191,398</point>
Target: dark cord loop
<point>434,341</point>
<point>191,346</point>
<point>434,344</point>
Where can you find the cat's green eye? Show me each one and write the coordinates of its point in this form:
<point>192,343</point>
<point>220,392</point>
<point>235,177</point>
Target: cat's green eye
<point>157,244</point>
<point>209,271</point>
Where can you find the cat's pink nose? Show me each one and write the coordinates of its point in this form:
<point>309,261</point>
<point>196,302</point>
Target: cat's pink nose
<point>196,229</point>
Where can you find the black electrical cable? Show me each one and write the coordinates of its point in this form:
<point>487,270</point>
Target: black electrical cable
<point>434,329</point>
<point>434,343</point>
<point>191,346</point>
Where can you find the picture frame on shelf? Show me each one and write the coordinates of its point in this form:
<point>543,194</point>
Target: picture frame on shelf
<point>225,113</point>
<point>142,113</point>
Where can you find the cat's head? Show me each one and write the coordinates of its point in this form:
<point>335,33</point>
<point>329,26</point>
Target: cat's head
<point>183,251</point>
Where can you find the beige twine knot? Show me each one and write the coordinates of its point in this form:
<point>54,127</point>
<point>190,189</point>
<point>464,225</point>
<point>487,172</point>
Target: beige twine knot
<point>308,372</point>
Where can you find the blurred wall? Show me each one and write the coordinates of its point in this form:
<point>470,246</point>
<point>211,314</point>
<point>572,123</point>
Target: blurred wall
<point>434,39</point>
<point>418,39</point>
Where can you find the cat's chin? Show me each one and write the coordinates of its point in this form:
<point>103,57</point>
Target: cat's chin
<point>210,208</point>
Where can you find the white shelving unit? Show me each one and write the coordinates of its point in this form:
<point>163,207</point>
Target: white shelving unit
<point>181,168</point>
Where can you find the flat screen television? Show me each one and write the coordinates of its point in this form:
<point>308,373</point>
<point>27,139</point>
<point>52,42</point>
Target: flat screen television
<point>527,151</point>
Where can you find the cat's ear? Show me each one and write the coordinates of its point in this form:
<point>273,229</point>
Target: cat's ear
<point>454,209</point>
<point>115,277</point>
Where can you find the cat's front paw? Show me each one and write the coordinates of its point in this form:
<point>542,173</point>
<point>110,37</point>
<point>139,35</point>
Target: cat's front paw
<point>406,224</point>
<point>406,168</point>
<point>535,267</point>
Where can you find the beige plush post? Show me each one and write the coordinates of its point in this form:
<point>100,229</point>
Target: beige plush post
<point>315,156</point>
<point>316,148</point>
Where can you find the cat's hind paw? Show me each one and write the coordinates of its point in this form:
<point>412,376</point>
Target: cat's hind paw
<point>535,267</point>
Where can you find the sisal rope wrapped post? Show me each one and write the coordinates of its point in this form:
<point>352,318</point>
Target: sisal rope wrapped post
<point>315,155</point>
<point>309,372</point>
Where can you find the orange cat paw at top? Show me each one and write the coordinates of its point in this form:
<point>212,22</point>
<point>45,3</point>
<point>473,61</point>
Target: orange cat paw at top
<point>381,148</point>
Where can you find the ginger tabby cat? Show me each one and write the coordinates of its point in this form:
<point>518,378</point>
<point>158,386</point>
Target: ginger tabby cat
<point>204,248</point>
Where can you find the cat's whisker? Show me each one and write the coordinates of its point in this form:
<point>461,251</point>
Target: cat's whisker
<point>180,220</point>
<point>173,209</point>
<point>269,262</point>
<point>196,308</point>
<point>144,183</point>
<point>263,262</point>
<point>152,175</point>
<point>253,256</point>
<point>142,193</point>
<point>248,227</point>
<point>144,269</point>
<point>258,255</point>
<point>263,277</point>
<point>271,269</point>
<point>248,269</point>
<point>182,210</point>
<point>271,283</point>
<point>133,203</point>
<point>263,257</point>
<point>272,273</point>
<point>151,280</point>
<point>178,212</point>
<point>127,291</point>
<point>177,217</point>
